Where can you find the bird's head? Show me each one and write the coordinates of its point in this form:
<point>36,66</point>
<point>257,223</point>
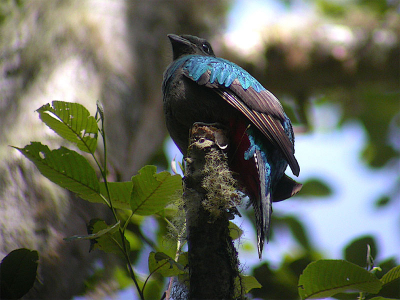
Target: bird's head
<point>189,44</point>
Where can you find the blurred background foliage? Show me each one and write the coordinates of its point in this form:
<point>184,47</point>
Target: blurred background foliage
<point>344,55</point>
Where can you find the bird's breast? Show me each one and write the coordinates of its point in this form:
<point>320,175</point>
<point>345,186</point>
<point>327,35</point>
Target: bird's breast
<point>186,102</point>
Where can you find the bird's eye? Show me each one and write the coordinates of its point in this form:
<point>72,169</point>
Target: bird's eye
<point>206,48</point>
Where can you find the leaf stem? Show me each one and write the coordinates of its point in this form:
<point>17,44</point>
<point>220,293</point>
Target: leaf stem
<point>155,270</point>
<point>121,231</point>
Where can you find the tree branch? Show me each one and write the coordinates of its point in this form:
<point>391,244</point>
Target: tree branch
<point>210,198</point>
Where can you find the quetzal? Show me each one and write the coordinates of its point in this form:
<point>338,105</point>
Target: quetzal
<point>199,87</point>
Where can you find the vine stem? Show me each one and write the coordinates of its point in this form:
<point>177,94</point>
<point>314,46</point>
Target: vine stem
<point>110,204</point>
<point>179,247</point>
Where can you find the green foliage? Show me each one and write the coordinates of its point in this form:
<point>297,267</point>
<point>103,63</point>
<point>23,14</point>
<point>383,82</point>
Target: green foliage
<point>356,252</point>
<point>93,233</point>
<point>103,237</point>
<point>122,277</point>
<point>151,192</point>
<point>315,188</point>
<point>382,109</point>
<point>161,263</point>
<point>330,278</point>
<point>73,122</point>
<point>331,8</point>
<point>66,168</point>
<point>166,266</point>
<point>382,201</point>
<point>247,283</point>
<point>279,283</point>
<point>382,298</point>
<point>108,238</point>
<point>390,276</point>
<point>325,278</point>
<point>147,194</point>
<point>297,229</point>
<point>117,193</point>
<point>234,231</point>
<point>366,93</point>
<point>18,273</point>
<point>380,6</point>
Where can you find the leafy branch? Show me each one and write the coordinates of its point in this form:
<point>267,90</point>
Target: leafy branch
<point>146,194</point>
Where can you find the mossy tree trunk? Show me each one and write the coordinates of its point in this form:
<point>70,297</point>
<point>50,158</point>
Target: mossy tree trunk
<point>210,199</point>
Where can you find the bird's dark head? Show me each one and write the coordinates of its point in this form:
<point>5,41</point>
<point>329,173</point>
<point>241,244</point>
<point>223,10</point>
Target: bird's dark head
<point>189,44</point>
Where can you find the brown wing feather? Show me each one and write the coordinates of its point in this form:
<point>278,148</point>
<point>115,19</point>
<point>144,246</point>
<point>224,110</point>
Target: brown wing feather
<point>268,125</point>
<point>264,111</point>
<point>263,101</point>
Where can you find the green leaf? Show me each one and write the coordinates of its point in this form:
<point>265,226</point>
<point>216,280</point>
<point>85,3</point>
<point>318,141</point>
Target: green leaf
<point>324,278</point>
<point>387,264</point>
<point>18,273</point>
<point>96,235</point>
<point>382,298</point>
<point>73,122</point>
<point>382,201</point>
<point>331,8</point>
<point>66,168</point>
<point>122,277</point>
<point>120,193</point>
<point>161,263</point>
<point>356,252</point>
<point>152,191</point>
<point>298,230</point>
<point>183,259</point>
<point>110,238</point>
<point>315,188</point>
<point>390,276</point>
<point>234,231</point>
<point>248,283</point>
<point>134,240</point>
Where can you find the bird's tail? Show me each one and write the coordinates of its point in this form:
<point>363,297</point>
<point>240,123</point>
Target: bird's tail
<point>263,205</point>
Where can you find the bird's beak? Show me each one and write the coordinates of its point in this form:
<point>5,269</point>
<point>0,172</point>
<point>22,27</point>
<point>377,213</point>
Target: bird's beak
<point>180,45</point>
<point>176,39</point>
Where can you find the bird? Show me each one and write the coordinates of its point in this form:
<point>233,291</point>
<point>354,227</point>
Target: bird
<point>200,87</point>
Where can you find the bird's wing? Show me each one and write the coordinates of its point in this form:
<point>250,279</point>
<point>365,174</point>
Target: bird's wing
<point>269,126</point>
<point>246,94</point>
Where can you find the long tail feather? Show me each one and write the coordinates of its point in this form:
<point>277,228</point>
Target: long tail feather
<point>263,205</point>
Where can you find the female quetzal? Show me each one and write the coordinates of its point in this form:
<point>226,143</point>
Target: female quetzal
<point>199,87</point>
